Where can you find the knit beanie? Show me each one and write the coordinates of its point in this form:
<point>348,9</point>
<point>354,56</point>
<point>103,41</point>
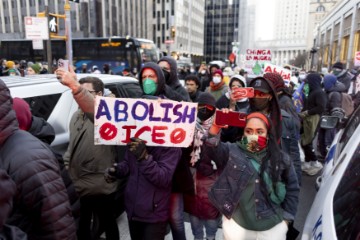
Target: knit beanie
<point>277,81</point>
<point>329,81</point>
<point>219,72</point>
<point>36,67</point>
<point>23,113</point>
<point>338,65</point>
<point>10,64</point>
<point>207,98</point>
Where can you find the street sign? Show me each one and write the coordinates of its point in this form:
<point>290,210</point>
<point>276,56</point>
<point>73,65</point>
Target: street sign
<point>53,24</point>
<point>169,41</point>
<point>36,28</point>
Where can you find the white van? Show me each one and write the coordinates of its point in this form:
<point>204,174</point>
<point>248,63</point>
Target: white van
<point>335,212</point>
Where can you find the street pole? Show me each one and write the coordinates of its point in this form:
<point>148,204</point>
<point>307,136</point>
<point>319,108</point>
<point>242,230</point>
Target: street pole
<point>48,43</point>
<point>68,35</point>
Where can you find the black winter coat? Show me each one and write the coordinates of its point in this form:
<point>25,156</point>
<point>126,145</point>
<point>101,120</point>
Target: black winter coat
<point>41,205</point>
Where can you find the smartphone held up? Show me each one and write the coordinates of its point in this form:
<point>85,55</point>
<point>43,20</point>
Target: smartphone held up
<point>240,93</point>
<point>235,119</point>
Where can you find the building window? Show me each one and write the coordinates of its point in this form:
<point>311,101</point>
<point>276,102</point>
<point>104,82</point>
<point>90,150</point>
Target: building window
<point>158,20</point>
<point>172,8</point>
<point>154,32</point>
<point>154,9</point>
<point>167,20</point>
<point>320,8</point>
<point>163,8</point>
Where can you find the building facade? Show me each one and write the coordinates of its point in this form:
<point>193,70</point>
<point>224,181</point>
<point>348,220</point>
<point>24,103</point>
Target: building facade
<point>338,37</point>
<point>291,26</point>
<point>89,18</point>
<point>180,31</point>
<point>223,21</point>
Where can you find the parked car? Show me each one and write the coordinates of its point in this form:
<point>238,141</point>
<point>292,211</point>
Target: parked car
<point>335,212</point>
<point>54,102</point>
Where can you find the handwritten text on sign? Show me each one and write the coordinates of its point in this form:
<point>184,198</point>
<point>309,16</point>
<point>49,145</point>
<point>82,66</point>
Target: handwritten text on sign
<point>285,73</point>
<point>158,122</point>
<point>262,55</point>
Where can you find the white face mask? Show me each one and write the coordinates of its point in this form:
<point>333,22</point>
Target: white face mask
<point>217,80</point>
<point>203,71</point>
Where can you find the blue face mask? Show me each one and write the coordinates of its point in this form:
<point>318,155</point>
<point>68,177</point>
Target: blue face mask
<point>149,86</point>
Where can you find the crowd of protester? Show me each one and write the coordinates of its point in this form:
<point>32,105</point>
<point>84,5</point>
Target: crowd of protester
<point>246,179</point>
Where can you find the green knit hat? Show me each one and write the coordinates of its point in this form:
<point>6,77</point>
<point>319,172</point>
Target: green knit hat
<point>36,67</point>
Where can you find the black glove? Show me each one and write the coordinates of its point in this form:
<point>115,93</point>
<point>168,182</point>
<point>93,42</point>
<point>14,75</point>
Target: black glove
<point>138,148</point>
<point>110,174</point>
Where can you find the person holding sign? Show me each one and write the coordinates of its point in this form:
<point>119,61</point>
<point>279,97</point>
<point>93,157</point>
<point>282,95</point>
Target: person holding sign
<point>257,192</point>
<point>150,171</point>
<point>87,161</point>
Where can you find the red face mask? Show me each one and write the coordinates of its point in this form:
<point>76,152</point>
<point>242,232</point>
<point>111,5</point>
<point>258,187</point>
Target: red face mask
<point>256,143</point>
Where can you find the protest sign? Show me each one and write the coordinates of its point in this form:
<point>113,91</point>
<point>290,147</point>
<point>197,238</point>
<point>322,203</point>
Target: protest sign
<point>262,55</point>
<point>160,122</point>
<point>285,73</point>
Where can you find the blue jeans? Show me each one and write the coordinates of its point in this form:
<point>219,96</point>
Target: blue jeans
<point>197,227</point>
<point>177,216</point>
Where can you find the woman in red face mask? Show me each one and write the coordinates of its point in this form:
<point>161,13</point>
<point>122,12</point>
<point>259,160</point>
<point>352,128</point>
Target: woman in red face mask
<point>257,192</point>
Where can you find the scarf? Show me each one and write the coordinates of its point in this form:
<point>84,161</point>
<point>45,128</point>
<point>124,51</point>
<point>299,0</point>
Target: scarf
<point>217,86</point>
<point>258,156</point>
<point>201,131</point>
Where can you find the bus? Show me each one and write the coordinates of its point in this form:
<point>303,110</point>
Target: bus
<point>118,52</point>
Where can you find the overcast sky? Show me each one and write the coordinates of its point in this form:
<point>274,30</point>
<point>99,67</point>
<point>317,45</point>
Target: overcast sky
<point>265,11</point>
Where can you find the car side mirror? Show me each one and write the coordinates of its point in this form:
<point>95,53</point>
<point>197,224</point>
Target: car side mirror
<point>328,122</point>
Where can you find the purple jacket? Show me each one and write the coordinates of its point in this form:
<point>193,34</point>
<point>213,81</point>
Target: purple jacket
<point>147,194</point>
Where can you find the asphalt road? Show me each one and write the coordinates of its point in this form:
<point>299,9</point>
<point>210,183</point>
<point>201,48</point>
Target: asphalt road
<point>307,194</point>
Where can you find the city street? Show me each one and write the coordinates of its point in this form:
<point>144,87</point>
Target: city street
<point>307,194</point>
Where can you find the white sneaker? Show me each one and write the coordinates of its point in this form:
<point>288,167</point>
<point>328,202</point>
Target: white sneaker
<point>316,164</point>
<point>313,168</point>
<point>305,166</point>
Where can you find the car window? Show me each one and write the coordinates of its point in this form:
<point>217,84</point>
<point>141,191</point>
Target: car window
<point>352,124</point>
<point>42,106</point>
<point>346,205</point>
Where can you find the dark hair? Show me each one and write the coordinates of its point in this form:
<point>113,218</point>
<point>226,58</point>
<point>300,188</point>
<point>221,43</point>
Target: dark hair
<point>234,79</point>
<point>273,157</point>
<point>98,85</point>
<point>193,78</point>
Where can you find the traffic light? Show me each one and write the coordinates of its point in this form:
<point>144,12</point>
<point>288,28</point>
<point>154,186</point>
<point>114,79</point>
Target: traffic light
<point>173,32</point>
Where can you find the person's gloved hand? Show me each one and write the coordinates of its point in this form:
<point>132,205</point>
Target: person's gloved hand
<point>110,174</point>
<point>138,148</point>
<point>303,114</point>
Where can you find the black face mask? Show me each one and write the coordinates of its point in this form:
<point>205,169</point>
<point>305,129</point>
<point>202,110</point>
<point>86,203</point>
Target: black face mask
<point>167,76</point>
<point>259,104</point>
<point>204,114</point>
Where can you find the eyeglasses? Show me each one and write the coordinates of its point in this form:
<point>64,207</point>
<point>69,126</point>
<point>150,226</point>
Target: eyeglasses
<point>93,91</point>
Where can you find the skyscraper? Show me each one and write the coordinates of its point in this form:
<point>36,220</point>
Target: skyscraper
<point>222,27</point>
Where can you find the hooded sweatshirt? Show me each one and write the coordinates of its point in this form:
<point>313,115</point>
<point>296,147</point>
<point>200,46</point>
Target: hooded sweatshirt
<point>162,89</point>
<point>173,81</point>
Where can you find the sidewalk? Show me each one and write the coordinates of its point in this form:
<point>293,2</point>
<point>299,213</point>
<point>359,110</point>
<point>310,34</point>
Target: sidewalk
<point>124,230</point>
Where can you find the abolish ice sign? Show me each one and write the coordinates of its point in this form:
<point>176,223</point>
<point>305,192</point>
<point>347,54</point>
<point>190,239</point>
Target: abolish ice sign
<point>158,122</point>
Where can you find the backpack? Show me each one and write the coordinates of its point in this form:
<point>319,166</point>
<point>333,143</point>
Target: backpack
<point>347,104</point>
